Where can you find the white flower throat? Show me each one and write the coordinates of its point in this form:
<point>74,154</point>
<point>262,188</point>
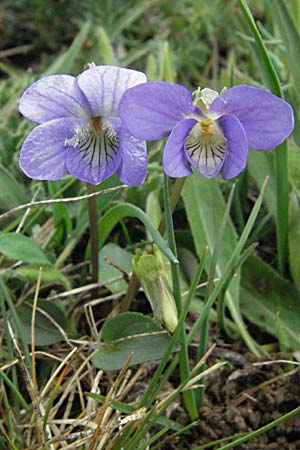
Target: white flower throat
<point>206,143</point>
<point>97,141</point>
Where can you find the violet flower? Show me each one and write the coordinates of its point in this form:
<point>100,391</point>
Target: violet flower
<point>80,131</point>
<point>211,132</point>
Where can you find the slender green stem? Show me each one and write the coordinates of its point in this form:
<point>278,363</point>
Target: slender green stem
<point>188,396</point>
<point>17,324</point>
<point>202,348</point>
<point>281,154</point>
<point>92,206</point>
<point>10,352</point>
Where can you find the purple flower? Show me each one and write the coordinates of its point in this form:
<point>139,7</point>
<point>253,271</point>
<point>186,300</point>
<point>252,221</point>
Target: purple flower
<point>79,129</point>
<point>211,132</point>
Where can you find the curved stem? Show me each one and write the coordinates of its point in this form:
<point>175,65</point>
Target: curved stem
<point>134,284</point>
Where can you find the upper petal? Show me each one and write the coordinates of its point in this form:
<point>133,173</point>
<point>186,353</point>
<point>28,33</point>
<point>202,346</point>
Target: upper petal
<point>95,157</point>
<point>175,162</point>
<point>267,119</point>
<point>150,110</point>
<point>43,152</point>
<point>104,86</point>
<point>134,159</point>
<point>236,146</point>
<point>53,97</point>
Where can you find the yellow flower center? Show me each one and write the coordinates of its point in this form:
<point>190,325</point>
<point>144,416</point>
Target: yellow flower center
<point>206,145</point>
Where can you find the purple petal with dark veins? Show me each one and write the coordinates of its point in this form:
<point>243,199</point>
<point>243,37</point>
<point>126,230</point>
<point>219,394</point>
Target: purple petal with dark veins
<point>175,162</point>
<point>98,159</point>
<point>268,120</point>
<point>237,146</point>
<point>43,152</point>
<point>133,167</point>
<point>53,97</point>
<point>104,86</point>
<point>150,110</point>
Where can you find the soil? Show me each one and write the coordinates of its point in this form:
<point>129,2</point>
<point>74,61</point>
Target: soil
<point>242,397</point>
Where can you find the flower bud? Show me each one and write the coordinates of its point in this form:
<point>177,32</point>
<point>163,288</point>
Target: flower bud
<point>153,276</point>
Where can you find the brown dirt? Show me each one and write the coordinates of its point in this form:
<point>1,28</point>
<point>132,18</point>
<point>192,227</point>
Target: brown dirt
<point>243,397</point>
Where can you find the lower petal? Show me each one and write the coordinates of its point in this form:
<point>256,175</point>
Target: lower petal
<point>43,152</point>
<point>205,147</point>
<point>267,120</point>
<point>175,162</point>
<point>133,167</point>
<point>236,146</point>
<point>97,158</point>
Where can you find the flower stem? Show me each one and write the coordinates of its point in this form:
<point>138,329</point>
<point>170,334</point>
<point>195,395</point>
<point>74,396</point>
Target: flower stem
<point>188,396</point>
<point>92,207</point>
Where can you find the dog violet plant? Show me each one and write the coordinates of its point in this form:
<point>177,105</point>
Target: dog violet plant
<point>80,132</point>
<point>79,129</point>
<point>210,132</point>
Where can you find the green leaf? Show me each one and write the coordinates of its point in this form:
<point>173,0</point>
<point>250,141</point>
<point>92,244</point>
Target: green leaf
<point>127,324</point>
<point>118,212</point>
<point>65,62</point>
<point>205,209</point>
<point>117,255</point>
<point>49,275</point>
<point>271,302</point>
<point>11,192</point>
<point>261,164</point>
<point>146,347</point>
<point>22,248</point>
<point>46,333</point>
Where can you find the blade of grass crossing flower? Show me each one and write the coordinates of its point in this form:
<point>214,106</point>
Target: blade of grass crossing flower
<point>188,396</point>
<point>202,348</point>
<point>281,156</point>
<point>221,299</point>
<point>155,384</point>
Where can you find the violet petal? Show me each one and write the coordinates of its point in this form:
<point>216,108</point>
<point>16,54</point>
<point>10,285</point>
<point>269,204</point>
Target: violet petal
<point>237,146</point>
<point>267,119</point>
<point>98,157</point>
<point>133,167</point>
<point>150,110</point>
<point>175,162</point>
<point>43,152</point>
<point>104,86</point>
<point>53,97</point>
